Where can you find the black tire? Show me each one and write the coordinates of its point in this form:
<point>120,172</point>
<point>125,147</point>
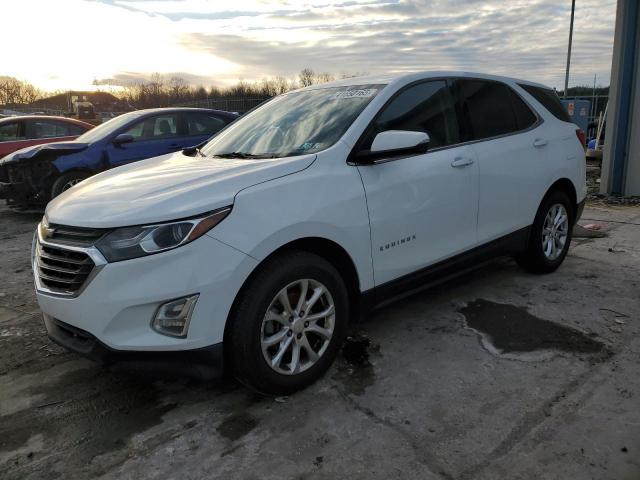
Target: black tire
<point>63,182</point>
<point>243,342</point>
<point>533,259</point>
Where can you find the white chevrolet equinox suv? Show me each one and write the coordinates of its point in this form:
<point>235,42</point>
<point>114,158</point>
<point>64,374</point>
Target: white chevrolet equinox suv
<point>257,248</point>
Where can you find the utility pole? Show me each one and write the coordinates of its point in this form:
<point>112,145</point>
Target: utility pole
<point>566,77</point>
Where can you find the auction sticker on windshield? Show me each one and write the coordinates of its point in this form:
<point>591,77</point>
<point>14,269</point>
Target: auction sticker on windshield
<point>362,93</point>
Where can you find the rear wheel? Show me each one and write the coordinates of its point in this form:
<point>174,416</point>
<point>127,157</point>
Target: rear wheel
<point>288,324</point>
<point>67,180</point>
<point>550,234</point>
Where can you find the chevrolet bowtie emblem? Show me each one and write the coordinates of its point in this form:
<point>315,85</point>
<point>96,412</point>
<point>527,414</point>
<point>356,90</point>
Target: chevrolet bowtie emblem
<point>46,231</point>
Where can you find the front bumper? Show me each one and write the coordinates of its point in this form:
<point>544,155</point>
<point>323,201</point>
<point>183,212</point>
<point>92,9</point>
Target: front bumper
<point>26,185</point>
<point>202,363</point>
<point>116,307</point>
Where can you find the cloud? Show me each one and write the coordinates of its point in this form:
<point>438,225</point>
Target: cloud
<point>215,42</point>
<point>524,39</point>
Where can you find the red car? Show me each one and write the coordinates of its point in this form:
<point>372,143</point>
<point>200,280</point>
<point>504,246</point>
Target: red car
<point>24,131</point>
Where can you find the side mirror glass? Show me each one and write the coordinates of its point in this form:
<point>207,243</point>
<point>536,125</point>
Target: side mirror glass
<point>122,139</point>
<point>396,142</point>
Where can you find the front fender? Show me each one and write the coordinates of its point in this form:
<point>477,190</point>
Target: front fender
<point>78,161</point>
<point>324,201</point>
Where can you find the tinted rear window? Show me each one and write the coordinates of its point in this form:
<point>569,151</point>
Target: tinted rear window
<point>549,100</point>
<point>524,116</point>
<point>487,109</point>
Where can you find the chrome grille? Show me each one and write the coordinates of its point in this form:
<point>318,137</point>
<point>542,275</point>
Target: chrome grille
<point>76,236</point>
<point>61,270</point>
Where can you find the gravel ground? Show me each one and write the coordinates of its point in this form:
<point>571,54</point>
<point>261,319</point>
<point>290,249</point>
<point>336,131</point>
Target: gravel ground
<point>496,374</point>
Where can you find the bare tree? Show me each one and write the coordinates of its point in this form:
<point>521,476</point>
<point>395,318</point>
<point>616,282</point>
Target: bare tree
<point>178,89</point>
<point>324,78</point>
<point>306,77</point>
<point>15,92</point>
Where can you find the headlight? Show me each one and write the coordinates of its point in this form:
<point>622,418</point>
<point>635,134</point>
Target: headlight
<point>132,242</point>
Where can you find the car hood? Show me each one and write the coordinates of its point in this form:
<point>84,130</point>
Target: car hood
<point>35,150</point>
<point>164,188</point>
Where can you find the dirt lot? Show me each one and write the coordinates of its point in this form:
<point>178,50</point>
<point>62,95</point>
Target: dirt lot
<point>497,374</point>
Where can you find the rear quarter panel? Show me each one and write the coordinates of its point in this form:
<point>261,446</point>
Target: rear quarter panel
<point>566,157</point>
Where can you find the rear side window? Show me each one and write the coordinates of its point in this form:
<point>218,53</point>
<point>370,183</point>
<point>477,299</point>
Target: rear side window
<point>76,129</point>
<point>524,116</point>
<point>491,109</point>
<point>203,124</point>
<point>549,100</point>
<point>425,107</point>
<point>48,129</point>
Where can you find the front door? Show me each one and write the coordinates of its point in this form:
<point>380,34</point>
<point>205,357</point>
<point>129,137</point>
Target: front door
<point>152,137</point>
<point>422,208</point>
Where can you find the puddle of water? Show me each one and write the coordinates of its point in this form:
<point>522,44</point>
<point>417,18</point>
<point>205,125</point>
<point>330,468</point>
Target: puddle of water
<point>510,329</point>
<point>237,426</point>
<point>355,371</point>
<point>355,349</point>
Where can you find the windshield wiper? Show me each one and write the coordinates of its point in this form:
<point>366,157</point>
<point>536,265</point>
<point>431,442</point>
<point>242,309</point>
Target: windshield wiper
<point>243,155</point>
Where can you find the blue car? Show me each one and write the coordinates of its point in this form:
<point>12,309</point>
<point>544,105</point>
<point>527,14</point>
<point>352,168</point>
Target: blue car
<point>30,177</point>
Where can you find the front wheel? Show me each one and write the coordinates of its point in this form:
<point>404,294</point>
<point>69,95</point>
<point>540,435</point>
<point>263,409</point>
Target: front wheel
<point>288,324</point>
<point>65,181</point>
<point>550,235</point>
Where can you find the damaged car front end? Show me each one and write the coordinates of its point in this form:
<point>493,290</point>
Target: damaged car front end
<point>27,176</point>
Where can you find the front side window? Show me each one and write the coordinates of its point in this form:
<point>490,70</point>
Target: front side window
<point>489,109</point>
<point>155,128</point>
<point>107,128</point>
<point>10,132</point>
<point>295,123</point>
<point>426,107</point>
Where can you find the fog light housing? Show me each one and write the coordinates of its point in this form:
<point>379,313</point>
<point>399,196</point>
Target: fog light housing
<point>172,317</point>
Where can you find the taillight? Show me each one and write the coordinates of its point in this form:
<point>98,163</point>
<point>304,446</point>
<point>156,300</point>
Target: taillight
<point>582,137</point>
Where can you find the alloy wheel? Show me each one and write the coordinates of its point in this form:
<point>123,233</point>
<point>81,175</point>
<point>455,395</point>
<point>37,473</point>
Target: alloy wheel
<point>71,183</point>
<point>555,231</point>
<point>297,327</point>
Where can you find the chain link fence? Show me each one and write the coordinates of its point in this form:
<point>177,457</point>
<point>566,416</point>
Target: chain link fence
<point>237,104</point>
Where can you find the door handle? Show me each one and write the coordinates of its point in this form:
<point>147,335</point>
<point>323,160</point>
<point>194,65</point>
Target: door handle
<point>461,162</point>
<point>540,142</point>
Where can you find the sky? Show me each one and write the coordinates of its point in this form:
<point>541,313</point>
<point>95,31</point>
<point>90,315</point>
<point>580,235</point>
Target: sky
<point>67,44</point>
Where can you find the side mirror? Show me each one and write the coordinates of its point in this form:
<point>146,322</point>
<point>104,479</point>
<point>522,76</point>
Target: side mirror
<point>122,139</point>
<point>395,142</point>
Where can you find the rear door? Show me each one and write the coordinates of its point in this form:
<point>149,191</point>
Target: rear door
<point>153,136</point>
<point>422,208</point>
<point>511,152</point>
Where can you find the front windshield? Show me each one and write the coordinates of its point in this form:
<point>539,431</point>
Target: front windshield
<point>294,123</point>
<point>99,132</point>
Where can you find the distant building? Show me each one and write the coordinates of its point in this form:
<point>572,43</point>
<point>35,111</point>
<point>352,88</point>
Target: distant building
<point>101,101</point>
<point>621,155</point>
